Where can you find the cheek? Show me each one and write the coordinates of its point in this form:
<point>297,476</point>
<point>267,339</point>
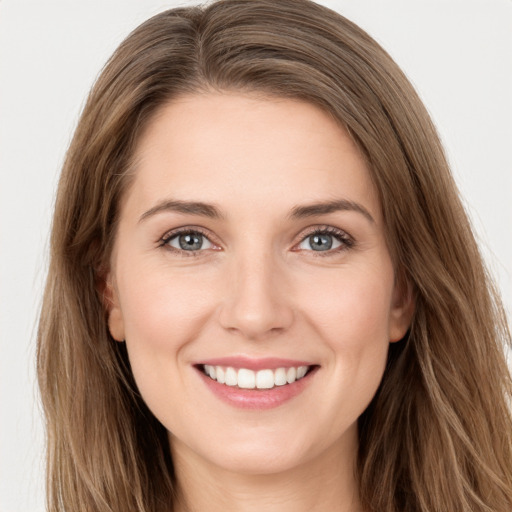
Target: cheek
<point>161,308</point>
<point>352,319</point>
<point>163,312</point>
<point>352,307</point>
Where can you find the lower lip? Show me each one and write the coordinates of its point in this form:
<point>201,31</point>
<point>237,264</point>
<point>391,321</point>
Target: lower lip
<point>257,399</point>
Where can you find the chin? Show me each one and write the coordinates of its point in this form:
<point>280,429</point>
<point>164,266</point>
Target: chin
<point>260,461</point>
<point>269,451</point>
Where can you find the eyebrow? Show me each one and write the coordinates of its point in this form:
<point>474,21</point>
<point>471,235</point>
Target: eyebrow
<point>298,212</point>
<point>190,207</point>
<point>323,208</point>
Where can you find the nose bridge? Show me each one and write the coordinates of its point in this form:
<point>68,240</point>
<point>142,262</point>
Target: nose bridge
<point>255,304</point>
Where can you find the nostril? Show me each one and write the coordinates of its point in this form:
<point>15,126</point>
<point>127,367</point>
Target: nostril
<point>256,322</point>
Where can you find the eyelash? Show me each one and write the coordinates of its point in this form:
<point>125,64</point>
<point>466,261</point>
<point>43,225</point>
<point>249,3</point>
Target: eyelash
<point>181,231</point>
<point>347,242</point>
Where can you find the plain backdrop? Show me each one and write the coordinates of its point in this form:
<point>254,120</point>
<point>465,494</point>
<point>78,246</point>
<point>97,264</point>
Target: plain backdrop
<point>458,54</point>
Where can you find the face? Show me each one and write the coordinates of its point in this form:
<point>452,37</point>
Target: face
<point>251,248</point>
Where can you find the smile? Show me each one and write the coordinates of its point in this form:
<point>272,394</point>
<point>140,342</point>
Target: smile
<point>256,383</point>
<point>244,378</point>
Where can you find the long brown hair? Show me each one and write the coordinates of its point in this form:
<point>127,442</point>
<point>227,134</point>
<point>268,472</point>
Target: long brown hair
<point>438,434</point>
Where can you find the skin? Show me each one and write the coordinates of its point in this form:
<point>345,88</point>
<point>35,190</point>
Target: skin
<point>256,288</point>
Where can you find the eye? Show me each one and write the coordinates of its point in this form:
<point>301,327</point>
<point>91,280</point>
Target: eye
<point>327,239</point>
<point>187,240</point>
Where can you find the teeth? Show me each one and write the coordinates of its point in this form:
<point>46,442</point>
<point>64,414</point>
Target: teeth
<point>211,371</point>
<point>291,375</point>
<point>249,379</point>
<point>280,377</point>
<point>246,379</point>
<point>231,377</point>
<point>301,371</point>
<point>265,379</point>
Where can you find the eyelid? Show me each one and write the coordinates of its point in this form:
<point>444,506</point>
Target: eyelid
<point>347,241</point>
<point>169,235</point>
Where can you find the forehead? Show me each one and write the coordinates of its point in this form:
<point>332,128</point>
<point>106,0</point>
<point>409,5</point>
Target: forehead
<point>245,149</point>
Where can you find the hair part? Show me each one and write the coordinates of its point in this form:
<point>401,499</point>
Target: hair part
<point>438,434</point>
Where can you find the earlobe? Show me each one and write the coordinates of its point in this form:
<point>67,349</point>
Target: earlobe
<point>110,300</point>
<point>116,324</point>
<point>402,311</point>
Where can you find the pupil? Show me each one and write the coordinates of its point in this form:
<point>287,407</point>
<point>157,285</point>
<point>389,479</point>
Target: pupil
<point>321,242</point>
<point>190,242</point>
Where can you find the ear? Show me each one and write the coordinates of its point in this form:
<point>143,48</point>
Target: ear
<point>402,310</point>
<point>110,298</point>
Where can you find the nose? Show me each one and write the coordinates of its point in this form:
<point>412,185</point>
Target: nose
<point>256,304</point>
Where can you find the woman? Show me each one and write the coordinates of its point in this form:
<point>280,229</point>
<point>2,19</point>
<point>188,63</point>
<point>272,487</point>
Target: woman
<point>263,290</point>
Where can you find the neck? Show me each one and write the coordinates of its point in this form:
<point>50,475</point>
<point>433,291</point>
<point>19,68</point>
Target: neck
<point>326,482</point>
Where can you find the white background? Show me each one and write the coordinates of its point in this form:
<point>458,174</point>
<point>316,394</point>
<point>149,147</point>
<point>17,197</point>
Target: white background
<point>458,53</point>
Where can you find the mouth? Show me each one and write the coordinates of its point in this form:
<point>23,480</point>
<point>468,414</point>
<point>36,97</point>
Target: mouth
<point>256,383</point>
<point>263,379</point>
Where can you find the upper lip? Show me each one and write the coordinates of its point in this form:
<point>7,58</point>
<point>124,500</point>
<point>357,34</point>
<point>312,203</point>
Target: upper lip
<point>252,363</point>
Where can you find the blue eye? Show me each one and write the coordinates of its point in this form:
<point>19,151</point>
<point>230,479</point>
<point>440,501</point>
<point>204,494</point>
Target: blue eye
<point>322,242</point>
<point>188,241</point>
<point>326,240</point>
